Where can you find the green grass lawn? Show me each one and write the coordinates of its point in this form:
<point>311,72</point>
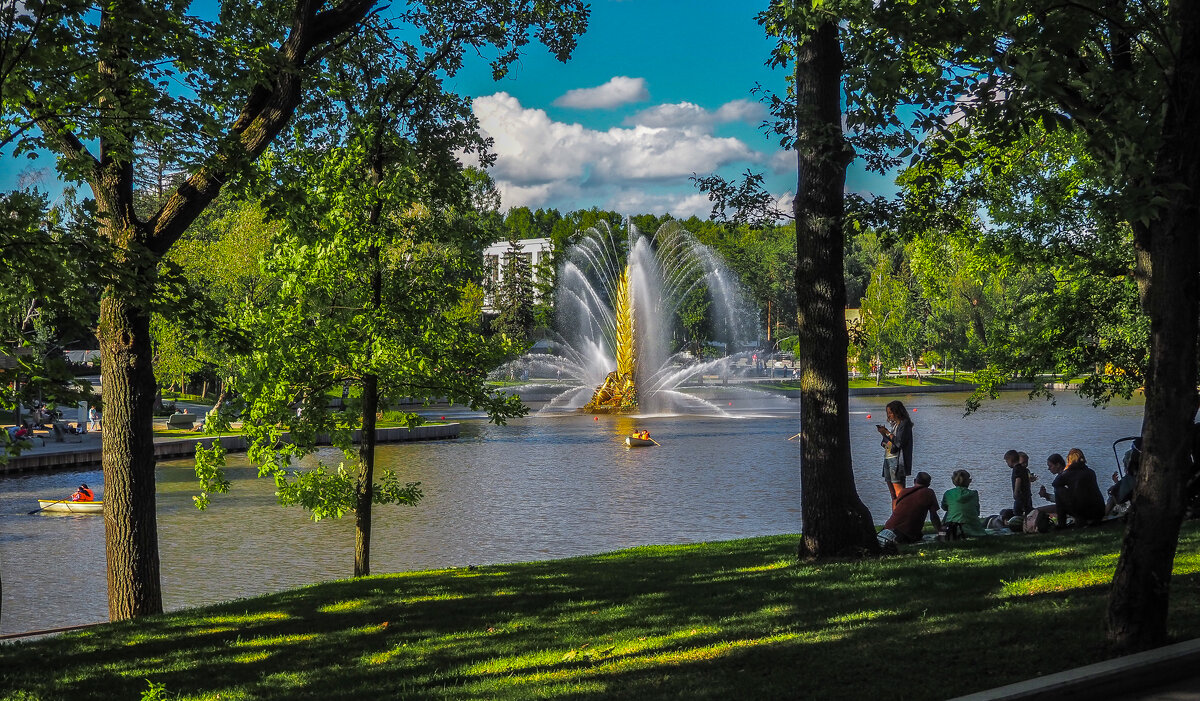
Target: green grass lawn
<point>190,398</point>
<point>731,620</point>
<point>925,381</point>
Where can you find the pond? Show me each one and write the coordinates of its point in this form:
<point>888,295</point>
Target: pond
<point>545,486</point>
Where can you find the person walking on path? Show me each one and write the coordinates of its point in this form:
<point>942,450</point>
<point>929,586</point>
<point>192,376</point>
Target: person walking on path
<point>897,439</point>
<point>93,419</point>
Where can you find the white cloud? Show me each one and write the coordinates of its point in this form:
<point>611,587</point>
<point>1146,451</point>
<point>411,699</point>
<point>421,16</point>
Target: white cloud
<point>678,115</point>
<point>618,91</point>
<point>531,148</point>
<point>680,205</point>
<point>783,204</point>
<point>542,162</point>
<point>687,115</point>
<point>747,111</point>
<point>783,162</point>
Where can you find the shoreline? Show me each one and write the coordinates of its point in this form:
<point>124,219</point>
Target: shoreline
<point>64,456</point>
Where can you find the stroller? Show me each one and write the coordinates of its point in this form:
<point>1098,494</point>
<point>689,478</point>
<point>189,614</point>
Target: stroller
<point>1122,491</point>
<point>1127,467</point>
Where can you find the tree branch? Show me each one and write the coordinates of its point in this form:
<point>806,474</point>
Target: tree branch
<point>268,108</point>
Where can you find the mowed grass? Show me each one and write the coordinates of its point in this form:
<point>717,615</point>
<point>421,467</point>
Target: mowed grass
<point>730,620</point>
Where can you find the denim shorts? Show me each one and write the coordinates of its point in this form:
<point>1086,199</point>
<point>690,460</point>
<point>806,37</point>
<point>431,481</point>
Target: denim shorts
<point>893,471</point>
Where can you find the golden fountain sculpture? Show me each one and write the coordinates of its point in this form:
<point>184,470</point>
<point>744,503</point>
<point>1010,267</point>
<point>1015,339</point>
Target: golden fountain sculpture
<point>618,393</point>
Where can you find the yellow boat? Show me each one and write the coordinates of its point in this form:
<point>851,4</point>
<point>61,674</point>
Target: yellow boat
<point>71,507</point>
<point>633,442</point>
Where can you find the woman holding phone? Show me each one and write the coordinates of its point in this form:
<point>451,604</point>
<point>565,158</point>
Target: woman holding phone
<point>897,447</point>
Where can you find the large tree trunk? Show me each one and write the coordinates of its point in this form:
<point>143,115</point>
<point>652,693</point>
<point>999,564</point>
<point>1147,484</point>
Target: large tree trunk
<point>1137,609</point>
<point>835,520</point>
<point>130,525</point>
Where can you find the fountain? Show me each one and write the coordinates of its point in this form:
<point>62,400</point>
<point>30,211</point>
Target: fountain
<point>616,305</point>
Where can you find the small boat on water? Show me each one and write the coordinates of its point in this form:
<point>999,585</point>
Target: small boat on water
<point>633,442</point>
<point>71,507</point>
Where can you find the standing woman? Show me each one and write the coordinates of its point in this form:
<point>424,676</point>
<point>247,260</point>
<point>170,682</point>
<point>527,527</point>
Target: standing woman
<point>897,447</point>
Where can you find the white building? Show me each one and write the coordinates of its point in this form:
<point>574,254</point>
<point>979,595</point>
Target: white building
<point>534,251</point>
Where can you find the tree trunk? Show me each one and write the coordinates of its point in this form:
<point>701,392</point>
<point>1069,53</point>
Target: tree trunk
<point>836,522</point>
<point>364,489</point>
<point>1137,608</point>
<point>130,517</point>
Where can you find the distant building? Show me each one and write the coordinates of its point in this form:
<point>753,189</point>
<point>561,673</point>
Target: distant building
<point>534,251</point>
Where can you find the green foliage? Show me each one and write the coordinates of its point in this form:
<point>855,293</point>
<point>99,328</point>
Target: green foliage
<point>515,296</point>
<point>364,279</point>
<point>694,318</point>
<point>209,464</point>
<point>331,494</point>
<point>155,692</point>
<point>47,259</point>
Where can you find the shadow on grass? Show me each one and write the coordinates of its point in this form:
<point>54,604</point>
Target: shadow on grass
<point>735,619</point>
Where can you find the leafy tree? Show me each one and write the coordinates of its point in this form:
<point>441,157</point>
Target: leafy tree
<point>886,318</point>
<point>519,223</point>
<point>369,262</point>
<point>545,278</point>
<point>46,303</point>
<point>77,78</point>
<point>220,257</point>
<point>694,319</point>
<point>1120,74</point>
<point>515,298</point>
<point>1049,273</point>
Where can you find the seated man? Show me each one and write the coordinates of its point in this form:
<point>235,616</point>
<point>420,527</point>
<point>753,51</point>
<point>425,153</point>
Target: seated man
<point>912,504</point>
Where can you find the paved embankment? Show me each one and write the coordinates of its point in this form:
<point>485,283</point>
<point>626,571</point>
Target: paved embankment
<point>84,451</point>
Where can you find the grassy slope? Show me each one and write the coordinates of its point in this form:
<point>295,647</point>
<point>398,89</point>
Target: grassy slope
<point>738,619</point>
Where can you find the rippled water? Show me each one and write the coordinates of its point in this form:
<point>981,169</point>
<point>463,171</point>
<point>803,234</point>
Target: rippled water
<point>541,487</point>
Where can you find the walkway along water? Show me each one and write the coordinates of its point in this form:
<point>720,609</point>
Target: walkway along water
<point>84,450</point>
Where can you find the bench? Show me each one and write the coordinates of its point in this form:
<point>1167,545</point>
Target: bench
<point>181,421</point>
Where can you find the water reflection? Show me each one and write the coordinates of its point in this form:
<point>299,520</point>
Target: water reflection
<point>542,487</point>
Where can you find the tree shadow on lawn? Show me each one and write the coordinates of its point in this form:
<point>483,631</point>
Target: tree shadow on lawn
<point>727,619</point>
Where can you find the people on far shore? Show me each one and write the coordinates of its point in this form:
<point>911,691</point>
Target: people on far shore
<point>897,443</point>
<point>93,419</point>
<point>961,505</point>
<point>912,505</point>
<point>1077,496</point>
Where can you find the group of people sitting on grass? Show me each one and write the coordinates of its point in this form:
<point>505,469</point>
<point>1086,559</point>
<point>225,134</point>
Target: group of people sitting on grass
<point>1075,496</point>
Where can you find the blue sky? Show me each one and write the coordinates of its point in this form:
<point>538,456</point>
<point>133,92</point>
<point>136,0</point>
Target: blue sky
<point>656,91</point>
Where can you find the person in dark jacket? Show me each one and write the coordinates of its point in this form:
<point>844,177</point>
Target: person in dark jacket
<point>1076,492</point>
